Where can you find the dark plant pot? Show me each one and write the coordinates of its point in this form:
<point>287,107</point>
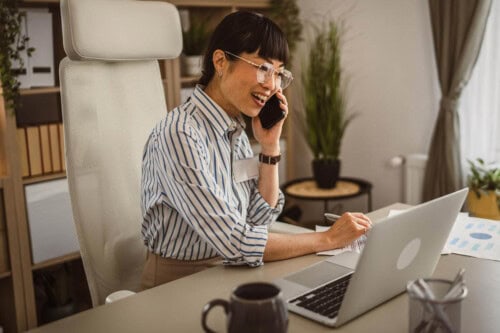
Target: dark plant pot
<point>326,172</point>
<point>51,313</point>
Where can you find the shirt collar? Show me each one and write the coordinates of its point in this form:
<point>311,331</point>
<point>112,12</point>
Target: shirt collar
<point>220,120</point>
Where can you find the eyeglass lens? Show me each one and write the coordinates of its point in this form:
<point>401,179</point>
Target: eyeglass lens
<point>266,72</point>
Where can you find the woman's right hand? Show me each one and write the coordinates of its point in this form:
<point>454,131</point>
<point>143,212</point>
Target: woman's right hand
<point>347,228</point>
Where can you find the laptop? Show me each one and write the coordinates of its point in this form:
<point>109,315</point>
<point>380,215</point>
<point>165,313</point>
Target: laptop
<point>398,249</point>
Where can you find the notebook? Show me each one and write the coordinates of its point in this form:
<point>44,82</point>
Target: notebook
<point>399,248</point>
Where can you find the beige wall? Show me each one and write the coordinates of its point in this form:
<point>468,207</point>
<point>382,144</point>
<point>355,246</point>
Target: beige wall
<point>388,55</point>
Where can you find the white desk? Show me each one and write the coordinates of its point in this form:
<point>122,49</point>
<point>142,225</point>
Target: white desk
<point>176,306</point>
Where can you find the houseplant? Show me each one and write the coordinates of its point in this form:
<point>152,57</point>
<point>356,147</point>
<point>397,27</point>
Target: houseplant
<point>195,40</point>
<point>325,115</point>
<point>483,199</point>
<point>54,286</point>
<point>286,15</point>
<point>12,44</point>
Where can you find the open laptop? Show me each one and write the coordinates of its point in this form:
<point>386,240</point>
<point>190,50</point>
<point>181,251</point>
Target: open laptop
<point>399,248</point>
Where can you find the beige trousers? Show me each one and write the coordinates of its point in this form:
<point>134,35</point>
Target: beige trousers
<point>159,270</point>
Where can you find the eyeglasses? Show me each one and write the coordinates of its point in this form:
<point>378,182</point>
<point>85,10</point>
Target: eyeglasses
<point>265,71</point>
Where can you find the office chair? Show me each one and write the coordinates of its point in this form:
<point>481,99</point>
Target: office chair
<point>112,95</point>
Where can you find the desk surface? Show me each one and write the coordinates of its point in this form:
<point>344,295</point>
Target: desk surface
<point>176,306</point>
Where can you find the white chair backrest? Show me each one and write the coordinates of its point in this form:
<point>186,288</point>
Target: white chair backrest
<point>112,95</point>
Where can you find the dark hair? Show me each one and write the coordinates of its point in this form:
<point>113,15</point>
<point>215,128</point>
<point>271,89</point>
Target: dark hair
<point>245,32</point>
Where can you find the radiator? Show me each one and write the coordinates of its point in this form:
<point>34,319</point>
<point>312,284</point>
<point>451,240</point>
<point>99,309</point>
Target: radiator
<point>414,169</point>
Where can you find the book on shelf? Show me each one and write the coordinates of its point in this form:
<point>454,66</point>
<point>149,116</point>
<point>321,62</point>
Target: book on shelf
<point>45,149</point>
<point>23,151</point>
<point>41,149</point>
<point>55,145</point>
<point>34,150</point>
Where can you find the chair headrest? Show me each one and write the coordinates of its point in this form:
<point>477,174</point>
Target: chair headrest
<point>113,30</point>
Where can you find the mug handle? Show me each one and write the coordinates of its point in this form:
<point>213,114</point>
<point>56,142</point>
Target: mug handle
<point>208,307</point>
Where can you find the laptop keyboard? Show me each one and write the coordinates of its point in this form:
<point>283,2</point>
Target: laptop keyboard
<point>326,299</point>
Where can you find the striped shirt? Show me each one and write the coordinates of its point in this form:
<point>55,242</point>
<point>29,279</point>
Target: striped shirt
<point>192,208</point>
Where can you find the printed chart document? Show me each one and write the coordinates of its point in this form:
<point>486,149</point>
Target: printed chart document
<point>475,237</point>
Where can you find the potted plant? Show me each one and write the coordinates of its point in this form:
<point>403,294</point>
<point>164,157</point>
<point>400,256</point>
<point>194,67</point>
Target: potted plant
<point>483,199</point>
<point>286,14</point>
<point>55,289</point>
<point>12,44</point>
<point>195,40</point>
<point>325,115</point>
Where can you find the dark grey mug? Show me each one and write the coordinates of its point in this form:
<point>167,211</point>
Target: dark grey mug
<point>256,307</point>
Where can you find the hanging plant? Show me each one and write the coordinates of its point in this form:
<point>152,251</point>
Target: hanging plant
<point>286,15</point>
<point>12,44</point>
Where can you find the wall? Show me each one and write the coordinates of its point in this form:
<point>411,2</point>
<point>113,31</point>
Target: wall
<point>388,56</point>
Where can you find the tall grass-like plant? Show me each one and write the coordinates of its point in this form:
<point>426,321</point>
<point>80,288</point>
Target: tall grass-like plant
<point>324,95</point>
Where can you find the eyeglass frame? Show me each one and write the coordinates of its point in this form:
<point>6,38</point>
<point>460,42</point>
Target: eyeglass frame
<point>270,69</point>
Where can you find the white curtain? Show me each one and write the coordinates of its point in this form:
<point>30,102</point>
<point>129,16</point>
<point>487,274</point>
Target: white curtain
<point>480,103</point>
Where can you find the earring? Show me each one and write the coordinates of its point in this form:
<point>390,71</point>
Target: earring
<point>219,73</point>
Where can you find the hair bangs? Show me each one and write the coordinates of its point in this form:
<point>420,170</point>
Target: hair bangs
<point>273,44</point>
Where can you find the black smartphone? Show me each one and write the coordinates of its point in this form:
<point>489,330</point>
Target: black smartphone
<point>271,113</point>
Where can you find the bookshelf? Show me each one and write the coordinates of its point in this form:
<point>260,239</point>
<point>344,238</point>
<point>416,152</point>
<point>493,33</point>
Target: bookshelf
<point>31,151</point>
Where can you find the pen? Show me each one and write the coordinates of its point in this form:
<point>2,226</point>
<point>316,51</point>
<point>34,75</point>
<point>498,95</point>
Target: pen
<point>332,217</point>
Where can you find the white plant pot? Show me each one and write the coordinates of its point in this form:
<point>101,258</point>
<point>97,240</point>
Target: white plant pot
<point>192,65</point>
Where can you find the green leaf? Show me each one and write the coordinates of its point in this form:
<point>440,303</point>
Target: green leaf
<point>482,178</point>
<point>11,44</point>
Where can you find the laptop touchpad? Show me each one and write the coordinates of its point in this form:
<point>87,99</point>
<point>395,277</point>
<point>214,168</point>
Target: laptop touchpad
<point>318,274</point>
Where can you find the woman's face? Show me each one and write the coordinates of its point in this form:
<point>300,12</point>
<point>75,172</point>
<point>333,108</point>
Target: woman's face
<point>239,89</point>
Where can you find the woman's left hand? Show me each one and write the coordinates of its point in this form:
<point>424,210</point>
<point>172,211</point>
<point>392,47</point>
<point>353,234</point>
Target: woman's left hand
<point>270,137</point>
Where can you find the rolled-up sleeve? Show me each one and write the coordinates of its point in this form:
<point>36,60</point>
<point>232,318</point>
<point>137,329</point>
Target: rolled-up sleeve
<point>260,212</point>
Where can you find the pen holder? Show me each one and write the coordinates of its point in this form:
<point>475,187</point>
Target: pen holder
<point>439,314</point>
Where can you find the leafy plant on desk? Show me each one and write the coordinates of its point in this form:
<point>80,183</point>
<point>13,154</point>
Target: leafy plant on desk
<point>12,44</point>
<point>482,179</point>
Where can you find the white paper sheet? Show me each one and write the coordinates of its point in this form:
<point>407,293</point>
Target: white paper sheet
<point>475,237</point>
<point>356,246</point>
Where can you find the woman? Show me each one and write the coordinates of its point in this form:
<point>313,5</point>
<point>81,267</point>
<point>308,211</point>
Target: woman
<point>205,199</point>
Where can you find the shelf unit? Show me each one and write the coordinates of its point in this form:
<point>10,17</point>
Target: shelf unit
<point>18,304</point>
<point>19,310</point>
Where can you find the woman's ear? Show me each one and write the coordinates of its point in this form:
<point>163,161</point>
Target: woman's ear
<point>219,59</point>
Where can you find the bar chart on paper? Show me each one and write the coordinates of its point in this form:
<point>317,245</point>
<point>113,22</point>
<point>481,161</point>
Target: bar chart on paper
<point>474,237</point>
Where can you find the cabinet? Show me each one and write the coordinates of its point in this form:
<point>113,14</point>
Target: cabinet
<point>19,301</point>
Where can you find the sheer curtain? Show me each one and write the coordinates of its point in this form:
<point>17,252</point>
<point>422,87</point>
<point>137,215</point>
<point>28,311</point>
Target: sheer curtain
<point>480,103</point>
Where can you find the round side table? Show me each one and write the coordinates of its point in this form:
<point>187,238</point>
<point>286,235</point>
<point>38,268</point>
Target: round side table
<point>306,189</point>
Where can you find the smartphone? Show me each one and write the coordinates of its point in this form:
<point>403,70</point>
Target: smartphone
<point>271,113</point>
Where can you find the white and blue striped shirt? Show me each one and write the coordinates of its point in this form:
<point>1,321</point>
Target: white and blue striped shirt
<point>192,208</point>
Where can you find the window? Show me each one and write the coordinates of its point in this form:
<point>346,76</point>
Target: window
<point>480,103</point>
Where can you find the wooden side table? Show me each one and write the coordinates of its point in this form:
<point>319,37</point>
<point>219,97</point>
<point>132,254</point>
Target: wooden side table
<point>306,189</point>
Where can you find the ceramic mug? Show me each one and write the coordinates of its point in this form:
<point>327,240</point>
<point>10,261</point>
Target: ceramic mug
<point>252,307</point>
